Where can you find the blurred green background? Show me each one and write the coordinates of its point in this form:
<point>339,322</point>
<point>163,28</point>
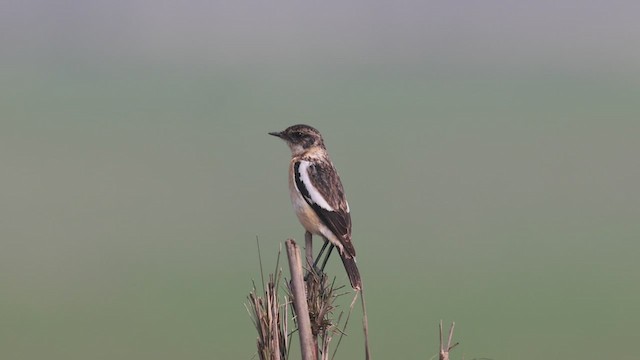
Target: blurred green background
<point>489,151</point>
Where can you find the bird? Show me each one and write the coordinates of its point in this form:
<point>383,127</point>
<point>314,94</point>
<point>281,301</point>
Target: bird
<point>318,197</point>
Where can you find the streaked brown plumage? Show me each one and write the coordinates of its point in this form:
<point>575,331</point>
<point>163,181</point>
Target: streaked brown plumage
<point>317,194</point>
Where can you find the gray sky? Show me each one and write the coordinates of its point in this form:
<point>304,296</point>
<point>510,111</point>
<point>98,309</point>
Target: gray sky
<point>589,35</point>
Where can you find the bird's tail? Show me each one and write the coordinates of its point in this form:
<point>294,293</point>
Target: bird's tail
<point>352,271</point>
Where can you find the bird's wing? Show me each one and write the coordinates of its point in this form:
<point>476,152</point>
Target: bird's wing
<point>320,186</point>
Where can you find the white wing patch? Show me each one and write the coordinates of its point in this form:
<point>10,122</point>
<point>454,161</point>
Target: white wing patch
<point>316,197</point>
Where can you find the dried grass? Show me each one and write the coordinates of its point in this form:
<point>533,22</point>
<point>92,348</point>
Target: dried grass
<point>321,298</point>
<point>269,316</point>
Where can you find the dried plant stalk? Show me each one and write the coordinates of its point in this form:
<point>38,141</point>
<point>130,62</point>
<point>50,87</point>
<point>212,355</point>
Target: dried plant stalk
<point>308,346</point>
<point>445,349</point>
<point>269,316</point>
<point>313,298</point>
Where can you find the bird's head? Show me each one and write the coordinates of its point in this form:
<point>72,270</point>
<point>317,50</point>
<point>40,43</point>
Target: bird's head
<point>300,138</point>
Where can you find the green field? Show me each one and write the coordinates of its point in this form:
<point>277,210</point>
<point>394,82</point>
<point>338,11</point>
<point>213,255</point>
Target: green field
<point>132,198</point>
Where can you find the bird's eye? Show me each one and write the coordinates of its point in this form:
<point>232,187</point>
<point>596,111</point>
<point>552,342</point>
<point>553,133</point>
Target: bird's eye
<point>298,134</point>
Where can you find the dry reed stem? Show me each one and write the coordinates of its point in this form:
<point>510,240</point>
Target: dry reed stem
<point>444,350</point>
<point>269,316</point>
<point>269,313</point>
<point>321,296</point>
<point>307,348</point>
<point>365,326</point>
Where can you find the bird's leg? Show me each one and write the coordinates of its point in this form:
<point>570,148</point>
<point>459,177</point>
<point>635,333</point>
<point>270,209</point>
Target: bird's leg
<point>308,247</point>
<point>309,253</point>
<point>324,246</point>
<point>324,263</point>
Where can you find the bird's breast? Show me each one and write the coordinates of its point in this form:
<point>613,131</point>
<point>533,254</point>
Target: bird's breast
<point>307,216</point>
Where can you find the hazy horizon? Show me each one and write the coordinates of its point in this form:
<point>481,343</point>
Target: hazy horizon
<point>488,151</point>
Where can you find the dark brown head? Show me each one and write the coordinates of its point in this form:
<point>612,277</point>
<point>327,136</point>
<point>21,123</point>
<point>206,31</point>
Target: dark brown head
<point>300,138</point>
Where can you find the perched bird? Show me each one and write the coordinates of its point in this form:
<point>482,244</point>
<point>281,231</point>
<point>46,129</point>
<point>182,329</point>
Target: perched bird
<point>317,195</point>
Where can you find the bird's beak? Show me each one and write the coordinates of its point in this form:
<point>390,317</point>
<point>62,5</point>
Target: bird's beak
<point>277,134</point>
